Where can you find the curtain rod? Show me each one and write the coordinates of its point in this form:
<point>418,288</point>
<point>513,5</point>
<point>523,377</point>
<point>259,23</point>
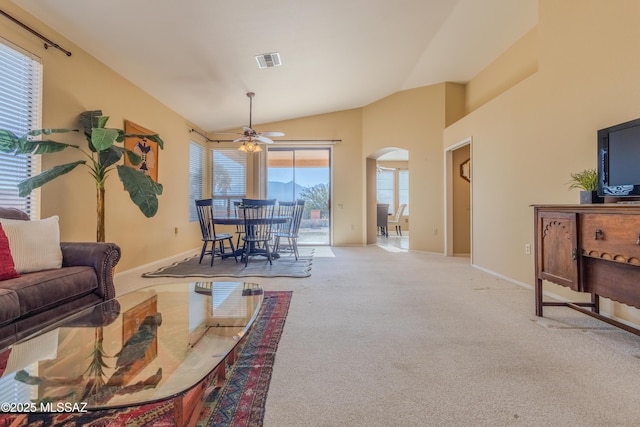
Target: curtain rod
<point>202,135</point>
<point>287,141</point>
<point>276,141</point>
<point>47,43</point>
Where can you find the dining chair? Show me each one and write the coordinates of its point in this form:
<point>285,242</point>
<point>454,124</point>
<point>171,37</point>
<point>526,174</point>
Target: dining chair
<point>258,227</point>
<point>204,207</point>
<point>382,216</point>
<point>239,226</point>
<point>397,217</point>
<point>292,231</point>
<point>285,209</point>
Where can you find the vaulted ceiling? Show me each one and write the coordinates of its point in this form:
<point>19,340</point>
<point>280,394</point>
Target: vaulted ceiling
<point>198,56</point>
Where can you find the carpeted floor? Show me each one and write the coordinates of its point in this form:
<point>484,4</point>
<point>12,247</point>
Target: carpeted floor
<point>379,338</point>
<point>239,403</point>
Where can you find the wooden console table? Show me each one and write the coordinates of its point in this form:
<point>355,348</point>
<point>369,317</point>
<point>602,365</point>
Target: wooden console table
<point>589,248</point>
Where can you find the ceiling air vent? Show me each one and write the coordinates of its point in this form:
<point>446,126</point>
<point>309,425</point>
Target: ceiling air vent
<point>268,60</point>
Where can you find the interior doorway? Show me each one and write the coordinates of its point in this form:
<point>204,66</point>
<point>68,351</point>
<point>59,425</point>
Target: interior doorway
<point>459,200</point>
<point>391,189</point>
<point>303,173</point>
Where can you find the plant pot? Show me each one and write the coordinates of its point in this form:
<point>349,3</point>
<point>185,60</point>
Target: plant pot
<point>589,197</point>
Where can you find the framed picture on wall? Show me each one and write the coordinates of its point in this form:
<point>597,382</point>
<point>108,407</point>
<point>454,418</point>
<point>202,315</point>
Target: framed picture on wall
<point>143,147</point>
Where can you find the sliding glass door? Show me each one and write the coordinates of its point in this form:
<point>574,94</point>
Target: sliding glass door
<point>303,173</point>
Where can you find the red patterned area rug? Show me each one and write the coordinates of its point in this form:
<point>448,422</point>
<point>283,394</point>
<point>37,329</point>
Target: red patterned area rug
<point>240,402</point>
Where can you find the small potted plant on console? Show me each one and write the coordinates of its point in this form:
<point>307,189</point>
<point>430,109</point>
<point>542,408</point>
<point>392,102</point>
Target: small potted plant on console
<point>587,182</point>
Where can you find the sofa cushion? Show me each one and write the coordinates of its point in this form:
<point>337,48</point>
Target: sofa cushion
<point>7,267</point>
<point>9,306</point>
<point>42,290</point>
<point>35,245</point>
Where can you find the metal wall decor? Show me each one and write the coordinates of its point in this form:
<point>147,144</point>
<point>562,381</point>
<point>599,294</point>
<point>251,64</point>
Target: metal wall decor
<point>465,170</point>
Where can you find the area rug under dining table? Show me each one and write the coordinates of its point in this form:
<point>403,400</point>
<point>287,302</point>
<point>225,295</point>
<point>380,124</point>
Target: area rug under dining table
<point>240,402</point>
<point>285,266</point>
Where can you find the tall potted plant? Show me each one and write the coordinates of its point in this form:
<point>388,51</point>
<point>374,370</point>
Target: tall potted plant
<point>587,182</point>
<point>105,148</point>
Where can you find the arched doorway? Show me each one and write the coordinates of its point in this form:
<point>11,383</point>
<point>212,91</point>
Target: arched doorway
<point>388,190</point>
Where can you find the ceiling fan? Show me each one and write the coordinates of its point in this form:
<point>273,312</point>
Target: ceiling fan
<point>250,138</point>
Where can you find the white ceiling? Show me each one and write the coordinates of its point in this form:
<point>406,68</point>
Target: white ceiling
<point>197,56</point>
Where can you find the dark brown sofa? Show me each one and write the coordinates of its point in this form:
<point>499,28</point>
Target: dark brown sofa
<point>35,300</point>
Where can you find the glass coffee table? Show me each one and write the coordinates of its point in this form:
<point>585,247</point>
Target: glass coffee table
<point>161,343</point>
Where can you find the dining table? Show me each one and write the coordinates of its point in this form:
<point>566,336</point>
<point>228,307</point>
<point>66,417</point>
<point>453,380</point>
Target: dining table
<point>233,219</point>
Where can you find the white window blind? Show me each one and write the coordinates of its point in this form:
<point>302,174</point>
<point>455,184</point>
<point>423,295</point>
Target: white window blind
<point>385,188</point>
<point>403,189</point>
<point>229,178</point>
<point>20,110</point>
<point>196,177</point>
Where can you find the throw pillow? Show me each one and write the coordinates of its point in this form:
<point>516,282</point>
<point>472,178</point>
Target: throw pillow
<point>35,245</point>
<point>7,267</point>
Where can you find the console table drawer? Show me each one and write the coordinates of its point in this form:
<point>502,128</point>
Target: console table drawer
<point>611,236</point>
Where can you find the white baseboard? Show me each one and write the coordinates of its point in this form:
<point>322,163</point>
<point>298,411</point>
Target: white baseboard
<point>503,277</point>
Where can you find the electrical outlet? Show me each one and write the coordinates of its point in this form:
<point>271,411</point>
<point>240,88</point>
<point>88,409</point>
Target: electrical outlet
<point>527,249</point>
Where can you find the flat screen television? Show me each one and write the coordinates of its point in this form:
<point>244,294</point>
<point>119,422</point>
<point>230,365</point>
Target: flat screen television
<point>619,160</point>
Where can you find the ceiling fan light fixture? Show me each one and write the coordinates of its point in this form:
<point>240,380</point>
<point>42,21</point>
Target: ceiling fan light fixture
<point>268,60</point>
<point>250,147</point>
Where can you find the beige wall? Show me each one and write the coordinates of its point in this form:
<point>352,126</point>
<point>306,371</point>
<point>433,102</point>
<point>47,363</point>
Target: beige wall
<point>413,120</point>
<point>516,64</point>
<point>527,140</point>
<point>78,83</point>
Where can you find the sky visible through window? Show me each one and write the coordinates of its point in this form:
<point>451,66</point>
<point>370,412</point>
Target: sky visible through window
<point>305,177</point>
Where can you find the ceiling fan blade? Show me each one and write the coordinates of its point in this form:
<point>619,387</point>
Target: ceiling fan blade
<point>242,139</point>
<point>272,133</point>
<point>263,139</point>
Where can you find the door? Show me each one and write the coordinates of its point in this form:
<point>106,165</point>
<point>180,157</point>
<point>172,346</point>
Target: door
<point>303,173</point>
<point>557,248</point>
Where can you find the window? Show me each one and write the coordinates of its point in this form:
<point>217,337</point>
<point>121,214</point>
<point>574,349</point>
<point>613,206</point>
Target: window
<point>403,189</point>
<point>196,178</point>
<point>228,178</point>
<point>20,92</point>
<point>393,185</point>
<point>385,188</point>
